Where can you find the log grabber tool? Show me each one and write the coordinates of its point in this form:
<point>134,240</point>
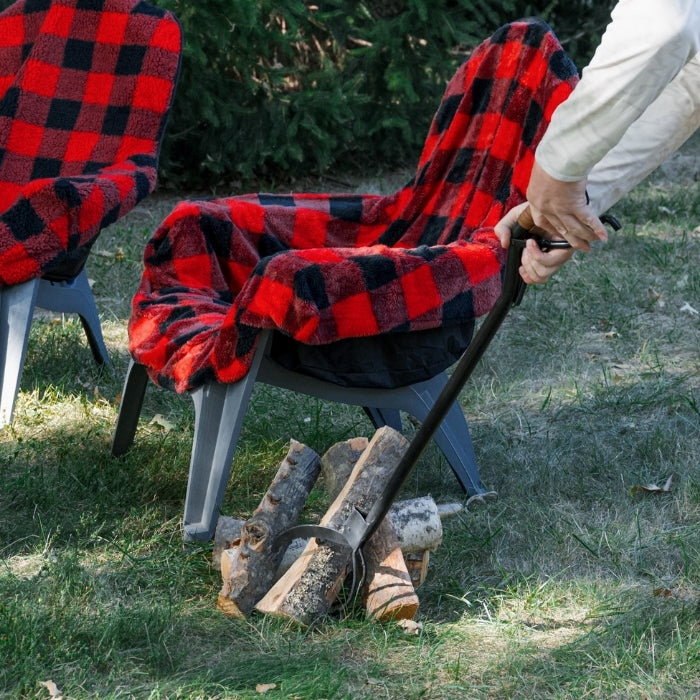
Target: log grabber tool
<point>359,527</point>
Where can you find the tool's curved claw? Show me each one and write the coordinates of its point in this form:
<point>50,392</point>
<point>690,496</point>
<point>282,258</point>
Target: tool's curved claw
<point>481,499</point>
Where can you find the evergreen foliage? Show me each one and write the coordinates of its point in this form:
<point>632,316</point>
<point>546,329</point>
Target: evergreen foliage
<point>272,89</point>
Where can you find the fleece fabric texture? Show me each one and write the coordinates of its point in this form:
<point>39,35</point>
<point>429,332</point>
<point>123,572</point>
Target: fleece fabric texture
<point>323,267</point>
<point>85,90</point>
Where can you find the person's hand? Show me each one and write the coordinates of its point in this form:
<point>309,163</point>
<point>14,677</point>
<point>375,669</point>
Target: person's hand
<point>536,265</point>
<point>560,209</point>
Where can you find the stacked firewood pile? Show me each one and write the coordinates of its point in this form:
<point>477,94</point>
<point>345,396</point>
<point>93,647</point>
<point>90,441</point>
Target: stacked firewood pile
<point>302,581</point>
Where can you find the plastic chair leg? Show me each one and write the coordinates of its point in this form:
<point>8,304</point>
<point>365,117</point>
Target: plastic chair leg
<point>16,311</point>
<point>75,296</point>
<point>130,408</point>
<point>384,416</point>
<point>219,413</point>
<point>452,437</point>
<point>17,304</point>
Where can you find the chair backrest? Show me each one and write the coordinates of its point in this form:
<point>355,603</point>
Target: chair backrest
<point>84,85</point>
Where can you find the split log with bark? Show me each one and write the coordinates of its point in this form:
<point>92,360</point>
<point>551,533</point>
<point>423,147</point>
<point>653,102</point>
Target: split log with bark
<point>252,565</point>
<point>388,592</point>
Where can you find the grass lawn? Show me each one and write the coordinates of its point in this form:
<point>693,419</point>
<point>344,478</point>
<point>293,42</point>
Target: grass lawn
<point>573,584</point>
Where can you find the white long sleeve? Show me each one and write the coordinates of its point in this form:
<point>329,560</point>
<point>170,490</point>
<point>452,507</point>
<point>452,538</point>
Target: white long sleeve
<point>661,130</point>
<point>647,44</point>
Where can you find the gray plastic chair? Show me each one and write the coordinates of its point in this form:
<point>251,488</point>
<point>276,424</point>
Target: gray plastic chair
<point>17,304</point>
<point>221,408</point>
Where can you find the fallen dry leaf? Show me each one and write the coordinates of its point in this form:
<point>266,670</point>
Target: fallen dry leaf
<point>677,592</point>
<point>663,592</point>
<point>653,488</point>
<point>264,687</point>
<point>52,688</point>
<point>410,626</point>
<point>117,254</point>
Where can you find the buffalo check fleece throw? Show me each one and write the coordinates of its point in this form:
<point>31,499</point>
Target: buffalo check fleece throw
<point>323,267</point>
<point>85,89</point>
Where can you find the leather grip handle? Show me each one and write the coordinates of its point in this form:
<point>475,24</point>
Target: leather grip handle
<point>528,223</point>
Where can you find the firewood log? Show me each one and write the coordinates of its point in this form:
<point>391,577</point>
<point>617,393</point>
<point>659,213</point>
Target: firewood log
<point>228,531</point>
<point>257,556</point>
<point>388,592</point>
<point>417,524</point>
<point>338,462</point>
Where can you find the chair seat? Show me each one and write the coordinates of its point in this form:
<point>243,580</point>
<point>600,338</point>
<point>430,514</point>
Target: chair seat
<point>324,268</point>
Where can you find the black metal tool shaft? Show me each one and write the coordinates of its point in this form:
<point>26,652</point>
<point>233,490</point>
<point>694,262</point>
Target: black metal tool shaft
<point>511,294</point>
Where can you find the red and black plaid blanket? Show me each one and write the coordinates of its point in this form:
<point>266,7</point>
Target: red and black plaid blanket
<point>85,89</point>
<point>322,267</point>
